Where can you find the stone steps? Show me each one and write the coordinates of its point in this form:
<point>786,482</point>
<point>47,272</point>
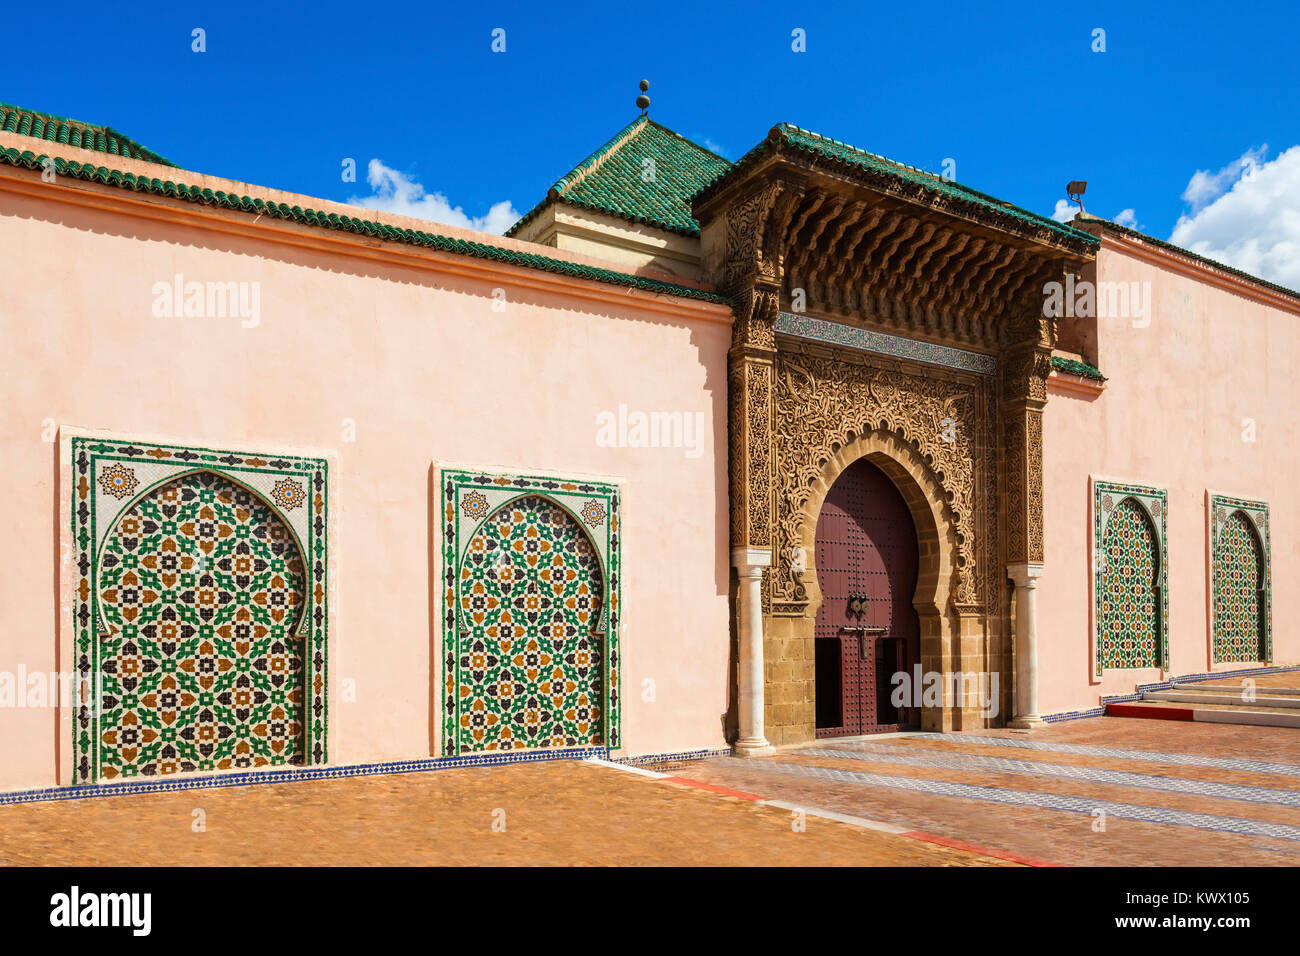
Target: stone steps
<point>1235,689</point>
<point>1262,712</point>
<point>1264,698</point>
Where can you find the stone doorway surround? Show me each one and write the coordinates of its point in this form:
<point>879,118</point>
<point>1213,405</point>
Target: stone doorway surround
<point>885,313</point>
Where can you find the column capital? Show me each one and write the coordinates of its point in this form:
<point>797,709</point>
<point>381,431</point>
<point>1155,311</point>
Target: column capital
<point>1025,575</point>
<point>752,560</point>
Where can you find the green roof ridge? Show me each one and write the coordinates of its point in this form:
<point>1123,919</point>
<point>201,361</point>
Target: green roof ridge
<point>1203,260</point>
<point>608,182</point>
<point>62,129</point>
<point>839,151</point>
<point>1075,367</point>
<point>414,237</point>
<point>577,173</point>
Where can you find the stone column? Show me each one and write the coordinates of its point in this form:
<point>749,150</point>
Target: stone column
<point>1026,578</point>
<point>749,564</point>
<point>741,256</point>
<point>1025,367</point>
<point>752,469</point>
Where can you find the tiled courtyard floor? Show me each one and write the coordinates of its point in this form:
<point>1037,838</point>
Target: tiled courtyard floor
<point>1167,795</point>
<point>554,813</point>
<point>1172,793</point>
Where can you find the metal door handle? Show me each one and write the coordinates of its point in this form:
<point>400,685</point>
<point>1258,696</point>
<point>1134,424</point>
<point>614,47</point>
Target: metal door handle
<point>864,636</point>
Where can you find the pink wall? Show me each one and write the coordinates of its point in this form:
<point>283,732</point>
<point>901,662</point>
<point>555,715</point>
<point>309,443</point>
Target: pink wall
<point>1171,415</point>
<point>406,344</point>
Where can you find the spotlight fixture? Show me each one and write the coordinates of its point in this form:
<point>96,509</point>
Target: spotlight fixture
<point>1075,189</point>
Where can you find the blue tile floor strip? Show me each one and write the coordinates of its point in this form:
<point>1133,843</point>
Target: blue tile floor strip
<point>1152,756</point>
<point>1042,801</point>
<point>944,760</point>
<point>681,756</point>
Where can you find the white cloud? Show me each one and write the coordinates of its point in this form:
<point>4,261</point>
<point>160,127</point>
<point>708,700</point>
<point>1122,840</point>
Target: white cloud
<point>713,147</point>
<point>1064,211</point>
<point>1127,217</point>
<point>1204,187</point>
<point>395,192</point>
<point>1255,224</point>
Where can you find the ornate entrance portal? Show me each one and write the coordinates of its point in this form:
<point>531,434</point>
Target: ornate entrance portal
<point>866,626</point>
<point>886,312</point>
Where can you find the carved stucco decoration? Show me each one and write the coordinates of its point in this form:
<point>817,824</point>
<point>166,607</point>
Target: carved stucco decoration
<point>752,457</point>
<point>746,224</point>
<point>756,311</point>
<point>1024,375</point>
<point>1024,389</point>
<point>751,453</point>
<point>849,256</point>
<point>919,278</point>
<point>822,403</point>
<point>737,453</point>
<point>1013,496</point>
<point>1034,488</point>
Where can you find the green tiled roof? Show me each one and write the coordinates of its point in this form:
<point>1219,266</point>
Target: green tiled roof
<point>613,179</point>
<point>60,129</point>
<point>822,147</point>
<point>366,227</point>
<point>1071,367</point>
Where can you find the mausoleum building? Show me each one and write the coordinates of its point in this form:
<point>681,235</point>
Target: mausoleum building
<point>701,455</point>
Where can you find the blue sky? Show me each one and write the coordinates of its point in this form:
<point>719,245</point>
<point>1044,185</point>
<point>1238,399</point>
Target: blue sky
<point>1013,92</point>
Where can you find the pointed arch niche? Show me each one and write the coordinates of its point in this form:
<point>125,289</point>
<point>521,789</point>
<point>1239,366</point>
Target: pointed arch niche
<point>1241,586</point>
<point>487,519</point>
<point>281,504</point>
<point>1130,576</point>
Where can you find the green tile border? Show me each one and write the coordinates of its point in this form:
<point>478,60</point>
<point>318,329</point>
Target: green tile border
<point>70,132</point>
<point>1155,503</point>
<point>1073,367</point>
<point>457,529</point>
<point>883,343</point>
<point>335,222</point>
<point>1107,226</point>
<point>1221,506</point>
<point>87,536</point>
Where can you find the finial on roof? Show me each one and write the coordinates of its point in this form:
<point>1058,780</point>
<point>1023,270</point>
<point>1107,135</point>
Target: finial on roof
<point>643,101</point>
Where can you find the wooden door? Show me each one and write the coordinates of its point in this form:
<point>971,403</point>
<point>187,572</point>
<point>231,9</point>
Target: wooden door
<point>866,628</point>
